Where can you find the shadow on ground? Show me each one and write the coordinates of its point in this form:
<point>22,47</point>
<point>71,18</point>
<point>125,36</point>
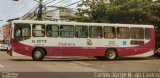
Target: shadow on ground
<point>87,59</point>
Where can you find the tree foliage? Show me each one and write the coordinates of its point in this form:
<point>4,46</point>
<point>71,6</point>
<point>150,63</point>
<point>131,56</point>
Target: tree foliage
<point>119,11</point>
<point>95,11</point>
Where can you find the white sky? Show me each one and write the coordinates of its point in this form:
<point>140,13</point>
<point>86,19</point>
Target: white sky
<point>12,9</point>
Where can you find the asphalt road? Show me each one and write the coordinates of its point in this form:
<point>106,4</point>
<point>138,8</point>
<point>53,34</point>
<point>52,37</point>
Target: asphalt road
<point>77,64</point>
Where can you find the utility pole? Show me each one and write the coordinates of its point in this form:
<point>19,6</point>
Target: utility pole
<point>40,11</point>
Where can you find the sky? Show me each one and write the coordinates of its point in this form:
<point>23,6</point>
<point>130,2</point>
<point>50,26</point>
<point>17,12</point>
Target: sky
<point>10,9</point>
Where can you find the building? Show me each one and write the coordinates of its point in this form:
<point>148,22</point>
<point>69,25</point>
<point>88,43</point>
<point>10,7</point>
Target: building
<point>59,14</point>
<point>63,14</point>
<point>1,33</point>
<point>33,16</point>
<point>29,16</point>
<point>6,31</point>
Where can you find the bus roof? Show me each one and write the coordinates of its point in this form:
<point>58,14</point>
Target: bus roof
<point>82,23</point>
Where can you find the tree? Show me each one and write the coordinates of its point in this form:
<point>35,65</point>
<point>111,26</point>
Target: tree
<point>131,11</point>
<point>120,11</point>
<point>95,11</point>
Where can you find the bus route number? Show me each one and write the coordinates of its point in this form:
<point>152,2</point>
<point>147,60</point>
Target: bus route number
<point>39,42</point>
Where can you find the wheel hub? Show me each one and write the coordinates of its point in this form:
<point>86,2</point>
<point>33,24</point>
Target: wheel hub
<point>37,54</point>
<point>111,54</point>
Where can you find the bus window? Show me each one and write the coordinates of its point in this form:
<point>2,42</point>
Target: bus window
<point>95,32</point>
<point>38,30</point>
<point>22,32</point>
<point>52,31</point>
<point>147,33</point>
<point>137,33</point>
<point>109,32</point>
<point>81,31</point>
<point>67,31</point>
<point>25,31</point>
<point>17,32</point>
<point>123,33</point>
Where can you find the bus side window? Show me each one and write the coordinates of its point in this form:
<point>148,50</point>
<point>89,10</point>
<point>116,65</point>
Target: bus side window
<point>147,33</point>
<point>67,31</point>
<point>76,34</point>
<point>61,30</point>
<point>48,33</point>
<point>52,31</point>
<point>123,33</point>
<point>109,32</point>
<point>95,32</point>
<point>38,30</point>
<point>137,33</point>
<point>81,31</point>
<point>119,33</point>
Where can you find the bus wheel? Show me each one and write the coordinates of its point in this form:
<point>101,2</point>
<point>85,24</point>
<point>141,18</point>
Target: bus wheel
<point>111,54</point>
<point>38,54</point>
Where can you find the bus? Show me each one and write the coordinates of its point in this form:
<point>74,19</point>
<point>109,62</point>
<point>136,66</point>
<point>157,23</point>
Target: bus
<point>38,39</point>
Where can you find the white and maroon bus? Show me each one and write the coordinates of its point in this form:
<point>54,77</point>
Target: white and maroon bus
<point>102,40</point>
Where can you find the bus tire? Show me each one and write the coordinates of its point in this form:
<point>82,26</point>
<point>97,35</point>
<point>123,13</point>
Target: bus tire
<point>38,54</point>
<point>111,54</point>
